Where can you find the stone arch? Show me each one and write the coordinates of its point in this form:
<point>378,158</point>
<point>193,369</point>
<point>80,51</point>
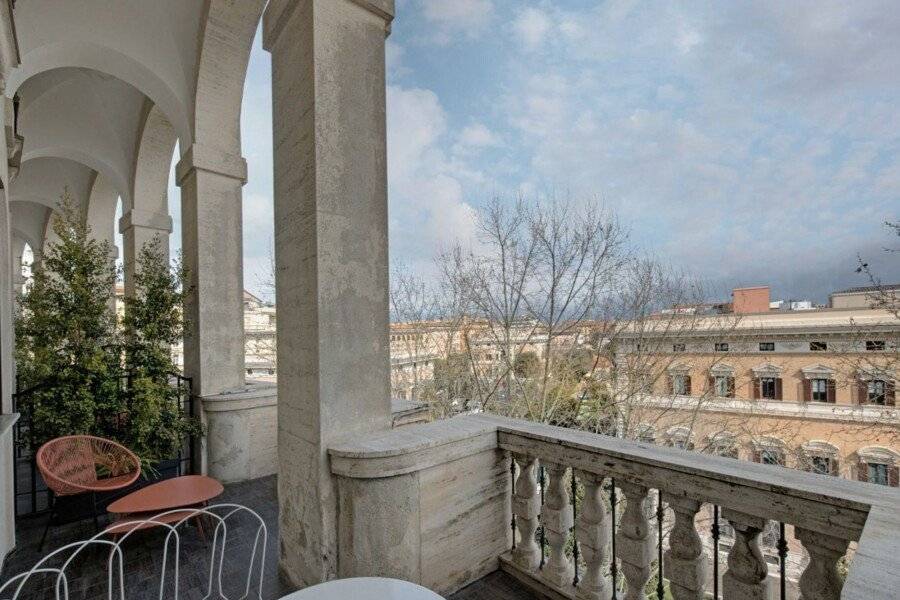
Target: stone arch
<point>227,37</point>
<point>105,60</point>
<point>874,454</point>
<point>100,212</point>
<point>152,164</point>
<point>83,158</point>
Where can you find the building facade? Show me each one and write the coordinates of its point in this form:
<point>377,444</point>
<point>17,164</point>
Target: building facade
<point>814,389</point>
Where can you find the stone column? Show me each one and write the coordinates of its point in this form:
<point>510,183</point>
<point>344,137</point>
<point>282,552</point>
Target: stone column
<point>212,247</point>
<point>139,227</point>
<point>328,93</point>
<point>8,279</point>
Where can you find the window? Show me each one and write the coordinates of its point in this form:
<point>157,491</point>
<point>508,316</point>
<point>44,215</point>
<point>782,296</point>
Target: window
<point>724,386</point>
<point>771,456</point>
<point>819,390</point>
<point>767,346</point>
<point>878,473</point>
<point>680,385</point>
<point>721,346</point>
<point>818,346</point>
<point>876,391</point>
<point>821,465</point>
<point>678,347</point>
<point>767,388</point>
<point>875,345</point>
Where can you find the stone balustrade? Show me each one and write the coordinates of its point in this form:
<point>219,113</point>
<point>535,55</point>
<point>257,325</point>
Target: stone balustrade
<point>579,515</point>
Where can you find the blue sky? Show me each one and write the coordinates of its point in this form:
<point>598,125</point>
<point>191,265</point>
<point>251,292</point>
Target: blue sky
<point>747,142</point>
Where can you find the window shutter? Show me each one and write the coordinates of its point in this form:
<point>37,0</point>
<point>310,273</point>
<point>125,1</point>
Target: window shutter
<point>807,390</point>
<point>687,385</point>
<point>890,394</point>
<point>754,388</point>
<point>670,381</point>
<point>832,391</point>
<point>730,382</point>
<point>893,476</point>
<point>757,457</point>
<point>834,469</point>
<point>711,385</point>
<point>862,392</point>
<point>862,471</point>
<point>778,392</point>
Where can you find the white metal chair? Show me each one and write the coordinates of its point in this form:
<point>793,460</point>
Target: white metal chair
<point>219,514</point>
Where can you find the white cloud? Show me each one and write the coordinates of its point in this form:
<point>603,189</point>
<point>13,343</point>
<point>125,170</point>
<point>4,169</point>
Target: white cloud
<point>477,135</point>
<point>426,187</point>
<point>531,27</point>
<point>452,19</point>
<point>394,59</point>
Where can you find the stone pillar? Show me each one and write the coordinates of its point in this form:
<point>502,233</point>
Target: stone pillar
<point>212,247</point>
<point>8,278</point>
<point>331,253</point>
<point>139,227</point>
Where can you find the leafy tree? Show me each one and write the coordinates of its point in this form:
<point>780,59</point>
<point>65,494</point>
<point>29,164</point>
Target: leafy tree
<point>66,339</point>
<point>153,323</point>
<point>87,375</point>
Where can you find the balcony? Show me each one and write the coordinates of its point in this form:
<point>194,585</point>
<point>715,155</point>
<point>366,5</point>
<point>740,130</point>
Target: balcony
<point>482,507</point>
<point>444,504</point>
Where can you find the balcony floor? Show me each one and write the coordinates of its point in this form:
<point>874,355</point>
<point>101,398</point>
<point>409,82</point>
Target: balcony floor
<point>87,579</point>
<point>496,586</point>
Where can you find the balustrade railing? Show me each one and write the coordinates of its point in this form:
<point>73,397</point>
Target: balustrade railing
<point>642,529</point>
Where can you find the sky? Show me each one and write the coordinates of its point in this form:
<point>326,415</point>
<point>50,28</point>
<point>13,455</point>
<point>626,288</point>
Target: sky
<point>747,143</point>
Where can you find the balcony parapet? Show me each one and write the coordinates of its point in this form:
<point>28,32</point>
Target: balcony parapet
<point>433,490</point>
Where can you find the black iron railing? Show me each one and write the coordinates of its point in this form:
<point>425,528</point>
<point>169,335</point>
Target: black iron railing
<point>30,491</point>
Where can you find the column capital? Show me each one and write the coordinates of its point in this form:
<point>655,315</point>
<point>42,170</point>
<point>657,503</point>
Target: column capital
<point>207,158</point>
<point>278,12</point>
<point>145,219</point>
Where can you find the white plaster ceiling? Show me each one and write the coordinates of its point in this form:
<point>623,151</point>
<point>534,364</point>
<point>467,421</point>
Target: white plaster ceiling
<point>29,219</point>
<point>83,116</point>
<point>150,44</point>
<point>42,181</point>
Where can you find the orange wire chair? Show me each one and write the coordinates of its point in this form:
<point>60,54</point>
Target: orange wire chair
<point>84,464</point>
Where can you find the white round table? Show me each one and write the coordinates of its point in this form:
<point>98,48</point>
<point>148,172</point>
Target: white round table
<point>364,588</point>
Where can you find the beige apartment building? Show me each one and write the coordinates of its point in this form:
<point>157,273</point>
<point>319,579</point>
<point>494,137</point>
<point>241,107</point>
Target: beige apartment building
<point>812,389</point>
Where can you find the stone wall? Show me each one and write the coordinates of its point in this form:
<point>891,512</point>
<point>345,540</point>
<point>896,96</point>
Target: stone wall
<point>241,433</point>
<point>429,504</point>
<point>7,509</point>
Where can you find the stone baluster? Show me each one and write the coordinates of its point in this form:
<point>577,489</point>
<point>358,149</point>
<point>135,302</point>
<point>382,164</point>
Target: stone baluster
<point>747,574</point>
<point>556,516</point>
<point>526,506</point>
<point>820,579</point>
<point>635,542</point>
<point>592,532</point>
<point>685,564</point>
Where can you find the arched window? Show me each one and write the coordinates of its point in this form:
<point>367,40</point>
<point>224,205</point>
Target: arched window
<point>645,433</point>
<point>769,451</point>
<point>820,457</point>
<point>679,437</point>
<point>723,443</point>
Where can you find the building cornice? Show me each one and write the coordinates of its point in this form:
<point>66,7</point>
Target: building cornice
<point>863,415</point>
